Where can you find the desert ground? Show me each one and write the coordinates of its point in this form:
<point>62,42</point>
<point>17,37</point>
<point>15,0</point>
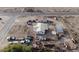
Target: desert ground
<point>21,29</point>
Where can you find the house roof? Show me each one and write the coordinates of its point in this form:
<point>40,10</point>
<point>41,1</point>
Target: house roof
<point>41,27</point>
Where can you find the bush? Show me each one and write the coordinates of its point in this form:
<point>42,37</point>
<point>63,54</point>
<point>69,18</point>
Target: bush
<point>30,10</point>
<point>17,48</point>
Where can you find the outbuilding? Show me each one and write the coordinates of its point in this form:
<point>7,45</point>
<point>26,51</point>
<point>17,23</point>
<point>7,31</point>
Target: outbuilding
<point>59,28</point>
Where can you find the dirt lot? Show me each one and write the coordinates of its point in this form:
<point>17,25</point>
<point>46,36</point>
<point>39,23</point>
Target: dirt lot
<point>39,9</point>
<point>20,28</point>
<point>3,21</point>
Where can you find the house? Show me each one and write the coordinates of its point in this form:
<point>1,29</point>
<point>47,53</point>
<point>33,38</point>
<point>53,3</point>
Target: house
<point>40,28</point>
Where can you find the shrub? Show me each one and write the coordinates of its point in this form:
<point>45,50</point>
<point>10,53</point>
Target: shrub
<point>17,48</point>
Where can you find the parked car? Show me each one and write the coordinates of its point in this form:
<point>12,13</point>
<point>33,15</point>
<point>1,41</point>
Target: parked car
<point>34,21</point>
<point>28,39</point>
<point>29,22</point>
<point>12,38</point>
<point>22,41</point>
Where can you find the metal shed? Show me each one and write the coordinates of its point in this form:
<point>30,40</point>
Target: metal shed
<point>59,27</point>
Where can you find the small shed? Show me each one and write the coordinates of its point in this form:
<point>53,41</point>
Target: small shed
<point>59,27</point>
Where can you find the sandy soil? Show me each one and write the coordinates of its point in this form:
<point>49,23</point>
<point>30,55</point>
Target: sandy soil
<point>3,21</point>
<point>39,9</point>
